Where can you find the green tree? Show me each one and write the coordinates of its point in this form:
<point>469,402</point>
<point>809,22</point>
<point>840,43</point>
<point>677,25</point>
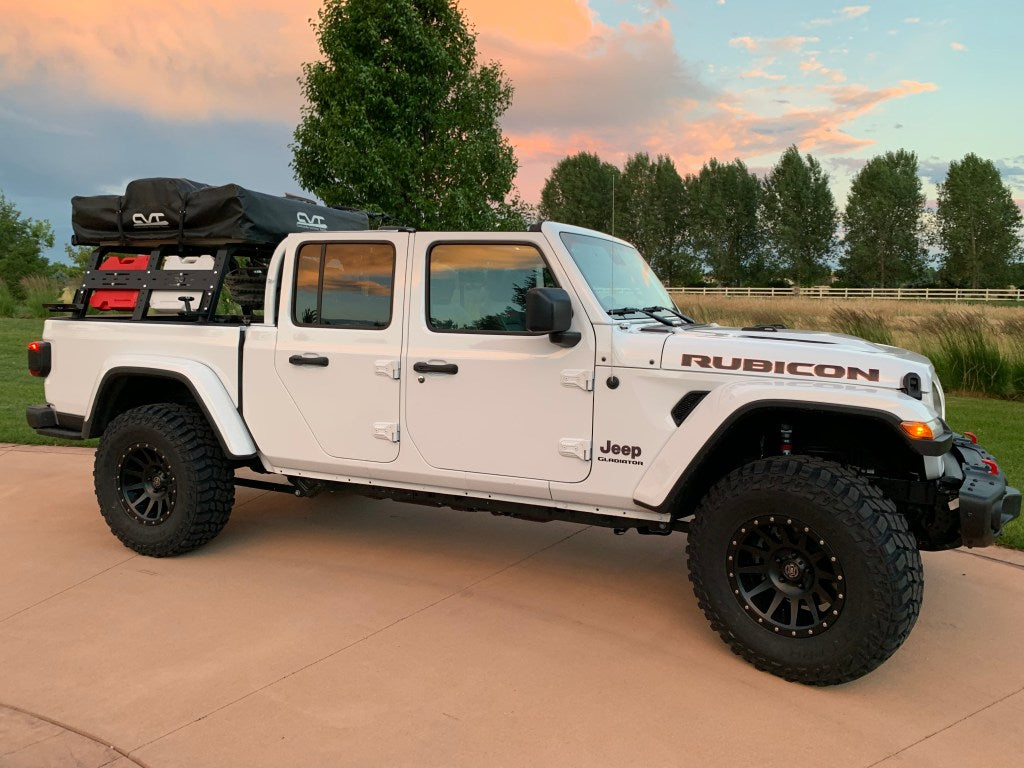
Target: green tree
<point>579,191</point>
<point>978,225</point>
<point>401,118</point>
<point>22,241</point>
<point>800,217</point>
<point>649,214</point>
<point>722,222</point>
<point>69,273</point>
<point>883,221</point>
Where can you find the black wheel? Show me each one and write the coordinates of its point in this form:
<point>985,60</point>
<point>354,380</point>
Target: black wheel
<point>162,481</point>
<point>805,569</point>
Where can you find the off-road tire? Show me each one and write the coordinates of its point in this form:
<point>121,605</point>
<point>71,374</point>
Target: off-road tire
<point>867,561</point>
<point>164,459</point>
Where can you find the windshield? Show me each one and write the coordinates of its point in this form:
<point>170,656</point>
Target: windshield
<point>616,273</point>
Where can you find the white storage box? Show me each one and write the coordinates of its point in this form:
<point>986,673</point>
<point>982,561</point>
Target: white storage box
<point>169,302</point>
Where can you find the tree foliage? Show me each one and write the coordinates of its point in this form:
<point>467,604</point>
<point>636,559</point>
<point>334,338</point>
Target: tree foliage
<point>69,274</point>
<point>579,191</point>
<point>650,205</point>
<point>722,222</point>
<point>22,241</point>
<point>978,225</point>
<point>800,217</point>
<point>883,222</point>
<point>401,118</point>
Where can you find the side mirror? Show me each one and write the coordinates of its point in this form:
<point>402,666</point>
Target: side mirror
<point>549,310</point>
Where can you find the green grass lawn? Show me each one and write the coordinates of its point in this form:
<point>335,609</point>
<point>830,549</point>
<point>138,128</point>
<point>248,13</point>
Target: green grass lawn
<point>997,423</point>
<point>17,389</point>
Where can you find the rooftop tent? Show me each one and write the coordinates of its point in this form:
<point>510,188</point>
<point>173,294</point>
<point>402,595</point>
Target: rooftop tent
<point>180,210</point>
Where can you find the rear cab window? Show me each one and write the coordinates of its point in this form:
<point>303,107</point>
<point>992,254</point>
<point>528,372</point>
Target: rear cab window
<point>344,285</point>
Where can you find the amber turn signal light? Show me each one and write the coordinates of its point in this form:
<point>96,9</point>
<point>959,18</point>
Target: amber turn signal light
<point>919,430</point>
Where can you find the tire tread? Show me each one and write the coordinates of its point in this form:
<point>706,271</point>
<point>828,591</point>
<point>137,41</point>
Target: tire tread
<point>870,517</point>
<point>197,446</point>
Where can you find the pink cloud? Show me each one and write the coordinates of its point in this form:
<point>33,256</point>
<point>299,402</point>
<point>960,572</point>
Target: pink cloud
<point>854,11</point>
<point>789,43</point>
<point>760,73</point>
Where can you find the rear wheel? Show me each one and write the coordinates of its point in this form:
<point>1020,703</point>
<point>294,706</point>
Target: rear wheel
<point>162,481</point>
<point>805,569</point>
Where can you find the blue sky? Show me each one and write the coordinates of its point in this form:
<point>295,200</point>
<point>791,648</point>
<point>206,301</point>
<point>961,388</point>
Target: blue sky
<point>94,93</point>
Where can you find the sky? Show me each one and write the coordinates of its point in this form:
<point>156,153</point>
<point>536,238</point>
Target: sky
<point>94,93</point>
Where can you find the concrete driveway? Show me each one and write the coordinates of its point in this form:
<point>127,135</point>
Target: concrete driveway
<point>350,632</point>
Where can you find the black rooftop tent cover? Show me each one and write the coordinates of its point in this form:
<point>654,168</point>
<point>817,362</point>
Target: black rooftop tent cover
<point>179,210</point>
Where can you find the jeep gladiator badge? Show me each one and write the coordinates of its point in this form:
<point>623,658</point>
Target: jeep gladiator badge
<point>630,453</point>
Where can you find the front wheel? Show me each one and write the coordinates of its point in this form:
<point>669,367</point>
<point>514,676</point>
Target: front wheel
<point>805,569</point>
<point>162,481</point>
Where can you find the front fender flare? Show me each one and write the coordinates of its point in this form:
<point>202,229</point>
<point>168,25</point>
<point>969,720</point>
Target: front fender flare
<point>206,387</point>
<point>712,418</point>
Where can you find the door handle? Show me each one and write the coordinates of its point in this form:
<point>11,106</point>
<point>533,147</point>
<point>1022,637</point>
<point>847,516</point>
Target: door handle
<point>320,362</point>
<point>450,368</point>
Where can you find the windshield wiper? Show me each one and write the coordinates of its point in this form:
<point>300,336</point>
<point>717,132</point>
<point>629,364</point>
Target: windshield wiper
<point>671,311</point>
<point>649,311</point>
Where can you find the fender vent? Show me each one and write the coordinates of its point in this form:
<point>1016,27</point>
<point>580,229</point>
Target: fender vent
<point>685,406</point>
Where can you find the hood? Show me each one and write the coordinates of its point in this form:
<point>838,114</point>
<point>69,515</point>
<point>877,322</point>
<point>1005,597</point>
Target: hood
<point>793,354</point>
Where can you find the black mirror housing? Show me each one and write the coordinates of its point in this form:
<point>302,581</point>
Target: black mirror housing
<point>548,310</point>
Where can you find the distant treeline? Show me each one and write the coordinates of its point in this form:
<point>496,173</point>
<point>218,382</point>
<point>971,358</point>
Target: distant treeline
<point>726,226</point>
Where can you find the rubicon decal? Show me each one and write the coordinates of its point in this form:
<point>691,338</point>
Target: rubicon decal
<point>755,365</point>
<point>630,454</point>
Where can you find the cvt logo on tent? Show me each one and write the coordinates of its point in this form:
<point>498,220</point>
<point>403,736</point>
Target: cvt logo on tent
<point>305,221</point>
<point>152,220</point>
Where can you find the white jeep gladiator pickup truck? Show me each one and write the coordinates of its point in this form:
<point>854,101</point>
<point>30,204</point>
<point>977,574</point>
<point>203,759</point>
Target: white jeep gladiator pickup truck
<point>544,375</point>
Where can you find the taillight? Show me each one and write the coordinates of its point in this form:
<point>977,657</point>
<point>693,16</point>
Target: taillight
<point>39,358</point>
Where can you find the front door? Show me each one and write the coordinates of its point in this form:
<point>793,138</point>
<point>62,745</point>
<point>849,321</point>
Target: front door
<point>340,340</point>
<point>489,397</point>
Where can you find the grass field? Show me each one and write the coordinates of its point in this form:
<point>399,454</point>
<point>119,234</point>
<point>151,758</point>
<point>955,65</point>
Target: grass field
<point>996,422</point>
<point>17,389</point>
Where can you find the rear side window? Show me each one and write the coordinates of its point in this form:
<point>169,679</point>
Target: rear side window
<point>481,287</point>
<point>344,285</point>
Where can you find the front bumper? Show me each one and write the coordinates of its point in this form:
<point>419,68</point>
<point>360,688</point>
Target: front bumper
<point>986,502</point>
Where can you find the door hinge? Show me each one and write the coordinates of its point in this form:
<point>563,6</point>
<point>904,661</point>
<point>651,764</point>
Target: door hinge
<point>577,378</point>
<point>575,448</point>
<point>386,430</point>
<point>390,368</point>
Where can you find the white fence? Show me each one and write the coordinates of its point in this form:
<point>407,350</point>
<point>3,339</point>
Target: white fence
<point>827,292</point>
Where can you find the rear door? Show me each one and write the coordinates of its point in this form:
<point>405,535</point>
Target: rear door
<point>489,397</point>
<point>340,340</point>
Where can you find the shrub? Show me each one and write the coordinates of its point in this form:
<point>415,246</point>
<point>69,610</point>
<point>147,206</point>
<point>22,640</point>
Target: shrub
<point>858,322</point>
<point>7,301</point>
<point>967,357</point>
<point>39,290</point>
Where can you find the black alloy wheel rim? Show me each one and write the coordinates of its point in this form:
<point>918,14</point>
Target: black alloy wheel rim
<point>147,485</point>
<point>785,576</point>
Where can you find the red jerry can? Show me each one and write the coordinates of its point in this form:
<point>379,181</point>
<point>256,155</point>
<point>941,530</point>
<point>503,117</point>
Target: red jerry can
<point>118,298</point>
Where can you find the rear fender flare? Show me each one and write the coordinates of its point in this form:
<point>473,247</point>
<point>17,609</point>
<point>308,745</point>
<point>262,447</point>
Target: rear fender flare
<point>206,387</point>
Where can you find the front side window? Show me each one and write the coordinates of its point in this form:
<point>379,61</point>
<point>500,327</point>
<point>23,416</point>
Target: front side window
<point>481,287</point>
<point>344,285</point>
